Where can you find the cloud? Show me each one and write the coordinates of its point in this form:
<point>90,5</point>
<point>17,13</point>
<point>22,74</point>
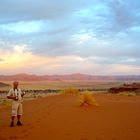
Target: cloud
<point>109,17</point>
<point>14,11</point>
<point>22,27</point>
<point>21,59</point>
<point>43,36</point>
<point>1,60</point>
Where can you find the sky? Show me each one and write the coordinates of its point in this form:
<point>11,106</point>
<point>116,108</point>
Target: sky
<point>98,37</point>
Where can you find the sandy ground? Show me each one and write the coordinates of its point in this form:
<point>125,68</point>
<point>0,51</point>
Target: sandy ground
<point>58,118</point>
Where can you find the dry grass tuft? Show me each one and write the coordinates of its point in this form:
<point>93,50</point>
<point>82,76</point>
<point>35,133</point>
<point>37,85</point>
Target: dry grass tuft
<point>70,91</point>
<point>127,94</point>
<point>86,97</point>
<point>5,102</point>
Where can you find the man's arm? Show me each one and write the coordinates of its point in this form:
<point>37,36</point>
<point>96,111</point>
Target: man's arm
<point>10,95</point>
<point>23,93</point>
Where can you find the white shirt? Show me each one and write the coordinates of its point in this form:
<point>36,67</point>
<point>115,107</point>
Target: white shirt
<point>16,92</point>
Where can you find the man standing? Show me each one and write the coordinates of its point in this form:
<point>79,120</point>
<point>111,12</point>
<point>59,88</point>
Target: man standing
<point>16,95</point>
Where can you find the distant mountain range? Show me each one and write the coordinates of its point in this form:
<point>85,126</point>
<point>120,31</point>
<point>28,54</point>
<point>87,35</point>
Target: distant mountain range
<point>77,76</point>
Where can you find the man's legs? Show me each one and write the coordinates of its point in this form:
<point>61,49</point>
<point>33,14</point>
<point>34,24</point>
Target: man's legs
<point>16,111</point>
<point>12,121</point>
<point>19,112</point>
<point>19,122</point>
<point>18,117</point>
<point>13,118</point>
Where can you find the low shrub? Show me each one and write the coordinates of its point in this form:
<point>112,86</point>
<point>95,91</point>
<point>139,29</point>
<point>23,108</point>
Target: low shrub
<point>70,91</point>
<point>86,97</point>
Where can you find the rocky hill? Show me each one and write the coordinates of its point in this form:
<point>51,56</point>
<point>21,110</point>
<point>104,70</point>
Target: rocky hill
<point>133,87</point>
<point>3,84</point>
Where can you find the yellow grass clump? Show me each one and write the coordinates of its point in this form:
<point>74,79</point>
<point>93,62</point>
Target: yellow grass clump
<point>5,102</point>
<point>70,91</point>
<point>86,97</point>
<point>127,93</point>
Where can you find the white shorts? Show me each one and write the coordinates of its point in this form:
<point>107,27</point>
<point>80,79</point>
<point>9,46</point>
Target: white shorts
<point>16,108</point>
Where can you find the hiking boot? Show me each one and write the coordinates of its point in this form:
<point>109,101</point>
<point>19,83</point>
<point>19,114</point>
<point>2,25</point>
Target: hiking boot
<point>12,124</point>
<point>19,123</point>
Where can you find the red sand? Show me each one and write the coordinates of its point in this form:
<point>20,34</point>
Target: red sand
<point>57,118</point>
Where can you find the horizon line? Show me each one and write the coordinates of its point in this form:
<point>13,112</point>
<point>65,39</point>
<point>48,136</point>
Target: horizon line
<point>68,74</point>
